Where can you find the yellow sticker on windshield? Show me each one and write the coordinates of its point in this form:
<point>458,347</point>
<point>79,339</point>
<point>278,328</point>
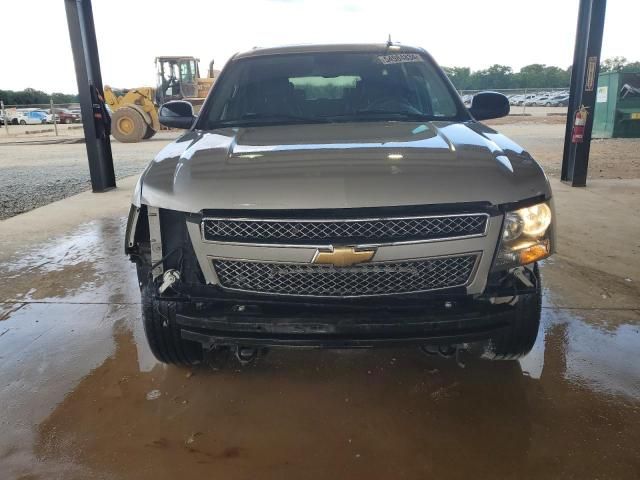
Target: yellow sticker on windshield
<point>399,58</point>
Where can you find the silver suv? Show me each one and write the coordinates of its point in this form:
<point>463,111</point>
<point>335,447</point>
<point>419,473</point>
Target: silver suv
<point>339,196</point>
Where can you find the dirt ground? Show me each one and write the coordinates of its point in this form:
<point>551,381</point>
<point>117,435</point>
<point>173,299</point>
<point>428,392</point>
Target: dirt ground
<point>544,137</point>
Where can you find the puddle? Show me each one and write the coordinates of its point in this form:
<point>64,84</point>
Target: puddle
<point>604,359</point>
<point>82,397</point>
<point>80,267</point>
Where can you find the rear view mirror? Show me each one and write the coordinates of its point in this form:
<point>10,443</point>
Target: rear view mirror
<point>486,105</point>
<point>177,114</point>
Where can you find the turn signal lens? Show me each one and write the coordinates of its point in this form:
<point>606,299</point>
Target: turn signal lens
<point>534,253</point>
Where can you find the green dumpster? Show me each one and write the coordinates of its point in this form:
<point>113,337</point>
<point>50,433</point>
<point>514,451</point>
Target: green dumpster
<point>617,105</point>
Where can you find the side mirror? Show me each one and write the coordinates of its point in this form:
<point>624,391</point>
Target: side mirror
<point>486,105</point>
<point>177,114</point>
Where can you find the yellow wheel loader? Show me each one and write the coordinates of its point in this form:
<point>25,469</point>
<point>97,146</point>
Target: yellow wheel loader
<point>135,113</point>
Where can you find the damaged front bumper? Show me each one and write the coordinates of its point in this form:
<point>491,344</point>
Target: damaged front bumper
<point>443,319</point>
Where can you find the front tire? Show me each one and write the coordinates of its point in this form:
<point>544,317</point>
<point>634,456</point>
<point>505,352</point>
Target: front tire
<point>517,339</point>
<point>163,333</point>
<point>127,125</point>
<point>149,133</point>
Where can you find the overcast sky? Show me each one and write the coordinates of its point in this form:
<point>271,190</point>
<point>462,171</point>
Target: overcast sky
<point>131,33</point>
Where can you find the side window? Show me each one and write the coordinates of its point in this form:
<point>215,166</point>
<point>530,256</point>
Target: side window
<point>187,70</point>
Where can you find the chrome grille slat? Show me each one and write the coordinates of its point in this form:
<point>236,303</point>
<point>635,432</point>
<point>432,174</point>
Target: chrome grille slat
<point>379,230</point>
<point>379,278</point>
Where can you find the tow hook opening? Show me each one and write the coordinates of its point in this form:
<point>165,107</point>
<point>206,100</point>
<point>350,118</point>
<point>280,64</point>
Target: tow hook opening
<point>246,355</point>
<point>446,351</point>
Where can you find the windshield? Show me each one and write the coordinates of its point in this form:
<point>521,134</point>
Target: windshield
<point>329,87</point>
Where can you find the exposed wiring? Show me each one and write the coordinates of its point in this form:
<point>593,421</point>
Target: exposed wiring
<point>153,266</point>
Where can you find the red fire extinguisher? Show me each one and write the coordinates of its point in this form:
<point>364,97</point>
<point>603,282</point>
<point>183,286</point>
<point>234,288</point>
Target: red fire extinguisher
<point>579,122</point>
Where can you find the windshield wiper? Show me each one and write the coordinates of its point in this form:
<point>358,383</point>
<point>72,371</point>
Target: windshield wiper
<point>387,113</point>
<point>404,113</point>
<point>268,119</point>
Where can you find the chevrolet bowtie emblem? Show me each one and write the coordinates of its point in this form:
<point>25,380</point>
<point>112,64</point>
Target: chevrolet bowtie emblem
<point>343,256</point>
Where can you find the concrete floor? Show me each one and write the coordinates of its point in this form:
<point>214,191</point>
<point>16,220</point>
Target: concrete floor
<point>82,397</point>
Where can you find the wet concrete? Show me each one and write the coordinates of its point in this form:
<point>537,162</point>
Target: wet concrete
<point>82,397</point>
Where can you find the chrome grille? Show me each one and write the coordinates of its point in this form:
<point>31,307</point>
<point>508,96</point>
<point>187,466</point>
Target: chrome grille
<point>379,230</point>
<point>379,278</point>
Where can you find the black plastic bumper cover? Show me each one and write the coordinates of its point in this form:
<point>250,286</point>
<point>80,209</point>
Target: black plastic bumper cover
<point>296,326</point>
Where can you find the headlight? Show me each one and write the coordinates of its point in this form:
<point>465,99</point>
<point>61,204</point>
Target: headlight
<point>525,237</point>
<point>536,219</point>
<point>531,221</point>
<point>513,227</point>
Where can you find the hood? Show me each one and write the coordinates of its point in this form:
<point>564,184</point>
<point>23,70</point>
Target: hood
<point>341,165</point>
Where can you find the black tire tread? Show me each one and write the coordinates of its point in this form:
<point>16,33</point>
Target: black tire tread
<point>150,132</point>
<point>518,338</point>
<point>162,332</point>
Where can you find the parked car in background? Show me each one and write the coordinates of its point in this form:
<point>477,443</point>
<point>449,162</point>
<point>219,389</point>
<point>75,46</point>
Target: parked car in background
<point>50,118</point>
<point>15,115</point>
<point>540,100</point>
<point>12,118</point>
<point>525,99</point>
<point>514,99</point>
<point>64,115</point>
<point>535,99</point>
<point>558,101</point>
<point>34,117</point>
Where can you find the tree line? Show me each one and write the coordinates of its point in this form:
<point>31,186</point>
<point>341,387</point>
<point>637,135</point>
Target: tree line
<point>495,77</point>
<point>532,76</point>
<point>31,96</point>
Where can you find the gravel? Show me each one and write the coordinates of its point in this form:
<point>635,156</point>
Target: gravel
<point>35,175</point>
<point>25,188</point>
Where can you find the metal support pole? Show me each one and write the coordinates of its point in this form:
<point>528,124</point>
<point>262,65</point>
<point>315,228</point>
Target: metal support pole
<point>584,83</point>
<point>53,116</point>
<point>87,64</point>
<point>4,117</point>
